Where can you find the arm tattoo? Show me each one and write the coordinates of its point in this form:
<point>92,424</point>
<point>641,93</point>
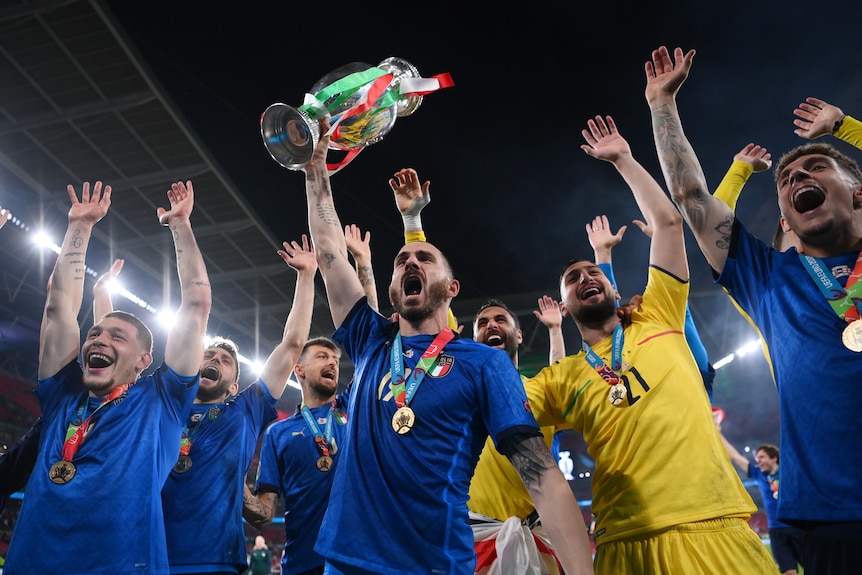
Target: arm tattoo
<point>681,169</point>
<point>76,241</point>
<point>329,259</point>
<point>531,459</point>
<point>366,275</point>
<point>327,213</point>
<point>724,228</point>
<point>255,512</point>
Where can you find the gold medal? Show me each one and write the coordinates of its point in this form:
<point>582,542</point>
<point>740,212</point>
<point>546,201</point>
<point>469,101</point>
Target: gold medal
<point>62,472</point>
<point>852,336</point>
<point>403,420</point>
<point>617,394</point>
<point>324,463</point>
<point>183,464</point>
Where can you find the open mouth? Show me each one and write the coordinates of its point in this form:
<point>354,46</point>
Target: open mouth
<point>210,372</point>
<point>412,285</point>
<point>590,292</point>
<point>808,198</point>
<point>329,374</point>
<point>494,340</point>
<point>99,361</point>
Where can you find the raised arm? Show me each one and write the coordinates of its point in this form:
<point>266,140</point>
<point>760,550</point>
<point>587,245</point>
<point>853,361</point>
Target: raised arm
<point>752,158</point>
<point>551,316</point>
<point>709,218</point>
<point>555,503</point>
<point>343,288</point>
<point>4,216</point>
<point>60,333</point>
<point>602,239</point>
<point>738,459</point>
<point>815,118</point>
<point>411,197</point>
<point>184,350</point>
<point>276,370</point>
<point>102,304</point>
<point>258,511</point>
<point>667,248</point>
<point>360,249</point>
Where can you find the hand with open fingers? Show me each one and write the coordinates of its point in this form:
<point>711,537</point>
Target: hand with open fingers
<point>182,198</point>
<point>815,118</point>
<point>299,256</point>
<point>93,206</point>
<point>665,76</point>
<point>604,141</point>
<point>755,156</point>
<point>359,247</point>
<point>549,312</point>
<point>410,195</point>
<point>600,235</point>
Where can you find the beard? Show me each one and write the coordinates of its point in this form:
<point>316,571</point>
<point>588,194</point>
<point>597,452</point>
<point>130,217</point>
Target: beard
<point>598,313</point>
<point>321,388</point>
<point>510,344</point>
<point>218,392</point>
<point>435,296</point>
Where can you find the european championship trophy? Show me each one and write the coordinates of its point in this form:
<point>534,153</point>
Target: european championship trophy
<point>362,103</point>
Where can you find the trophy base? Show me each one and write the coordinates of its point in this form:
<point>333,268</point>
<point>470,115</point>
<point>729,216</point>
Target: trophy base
<point>289,134</point>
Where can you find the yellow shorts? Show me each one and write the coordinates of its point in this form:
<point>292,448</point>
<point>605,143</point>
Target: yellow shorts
<point>721,546</point>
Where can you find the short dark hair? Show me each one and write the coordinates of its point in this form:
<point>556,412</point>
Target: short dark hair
<point>846,162</point>
<point>145,336</point>
<point>497,303</point>
<point>446,263</point>
<point>572,262</point>
<point>322,342</point>
<point>771,450</point>
<point>230,347</point>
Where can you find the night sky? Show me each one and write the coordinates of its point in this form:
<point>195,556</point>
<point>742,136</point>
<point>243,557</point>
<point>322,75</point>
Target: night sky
<point>511,190</point>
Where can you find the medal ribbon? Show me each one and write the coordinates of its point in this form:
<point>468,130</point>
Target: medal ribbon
<point>609,374</point>
<point>404,393</point>
<point>846,301</point>
<point>323,440</point>
<point>77,432</point>
<point>189,431</point>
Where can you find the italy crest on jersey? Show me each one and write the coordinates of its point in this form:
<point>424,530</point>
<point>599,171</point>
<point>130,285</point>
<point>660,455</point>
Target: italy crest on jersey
<point>442,366</point>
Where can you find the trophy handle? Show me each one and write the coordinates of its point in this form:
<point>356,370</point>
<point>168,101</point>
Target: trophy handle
<point>289,134</point>
<point>401,69</point>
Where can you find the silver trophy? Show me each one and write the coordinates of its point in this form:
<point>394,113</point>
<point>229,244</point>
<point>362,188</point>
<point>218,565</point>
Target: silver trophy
<point>362,102</point>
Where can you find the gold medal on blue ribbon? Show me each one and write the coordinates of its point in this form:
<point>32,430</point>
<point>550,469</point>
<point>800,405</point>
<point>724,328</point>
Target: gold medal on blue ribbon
<point>403,420</point>
<point>617,394</point>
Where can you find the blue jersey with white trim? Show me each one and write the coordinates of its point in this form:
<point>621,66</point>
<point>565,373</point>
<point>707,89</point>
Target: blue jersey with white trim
<point>403,498</point>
